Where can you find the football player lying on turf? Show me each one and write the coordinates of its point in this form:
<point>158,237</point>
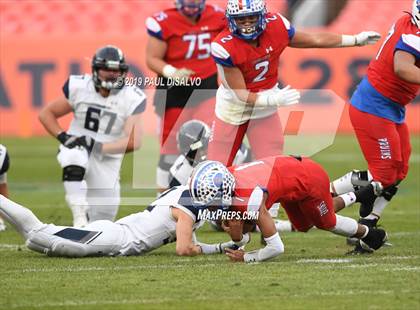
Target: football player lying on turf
<point>171,217</point>
<point>299,184</point>
<point>192,141</point>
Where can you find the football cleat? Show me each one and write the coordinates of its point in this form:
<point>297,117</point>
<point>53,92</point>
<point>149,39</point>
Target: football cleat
<point>367,196</point>
<point>374,240</point>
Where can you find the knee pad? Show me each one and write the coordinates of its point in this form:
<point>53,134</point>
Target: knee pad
<point>389,192</point>
<point>73,173</point>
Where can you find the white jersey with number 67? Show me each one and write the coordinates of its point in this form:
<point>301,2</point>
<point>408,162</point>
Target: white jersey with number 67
<point>101,118</point>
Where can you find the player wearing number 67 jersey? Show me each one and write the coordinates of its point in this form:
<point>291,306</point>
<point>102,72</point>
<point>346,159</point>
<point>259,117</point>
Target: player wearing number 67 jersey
<point>179,48</point>
<point>106,124</point>
<point>377,112</point>
<point>247,55</point>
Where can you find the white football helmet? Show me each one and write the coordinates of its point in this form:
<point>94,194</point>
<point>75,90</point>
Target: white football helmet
<point>211,183</point>
<point>243,8</point>
<point>415,13</point>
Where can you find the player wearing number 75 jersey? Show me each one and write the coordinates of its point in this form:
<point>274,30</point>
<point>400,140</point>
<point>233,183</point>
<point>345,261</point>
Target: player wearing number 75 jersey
<point>106,124</point>
<point>247,55</point>
<point>179,48</point>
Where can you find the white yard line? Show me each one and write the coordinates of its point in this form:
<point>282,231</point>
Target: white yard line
<point>140,301</point>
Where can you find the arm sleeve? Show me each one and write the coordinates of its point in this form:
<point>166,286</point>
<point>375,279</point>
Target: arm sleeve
<point>66,89</point>
<point>138,101</point>
<point>290,29</point>
<point>220,55</point>
<point>154,29</point>
<point>409,43</point>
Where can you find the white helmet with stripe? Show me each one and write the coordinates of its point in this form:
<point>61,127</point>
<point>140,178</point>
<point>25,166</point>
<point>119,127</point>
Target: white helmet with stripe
<point>237,9</point>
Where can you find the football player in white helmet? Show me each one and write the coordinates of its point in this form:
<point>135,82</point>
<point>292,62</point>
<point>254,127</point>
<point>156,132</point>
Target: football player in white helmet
<point>171,217</point>
<point>4,167</point>
<point>106,124</point>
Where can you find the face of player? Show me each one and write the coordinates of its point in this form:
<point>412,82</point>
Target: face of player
<point>191,7</point>
<point>109,75</point>
<point>247,24</point>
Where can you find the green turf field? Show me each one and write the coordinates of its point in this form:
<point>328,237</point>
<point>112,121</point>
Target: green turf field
<point>313,273</point>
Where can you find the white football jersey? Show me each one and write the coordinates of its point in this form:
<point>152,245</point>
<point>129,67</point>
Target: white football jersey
<point>155,226</point>
<point>101,118</point>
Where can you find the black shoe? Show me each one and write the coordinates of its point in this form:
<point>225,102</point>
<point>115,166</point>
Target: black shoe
<point>358,250</point>
<point>371,223</point>
<point>374,239</point>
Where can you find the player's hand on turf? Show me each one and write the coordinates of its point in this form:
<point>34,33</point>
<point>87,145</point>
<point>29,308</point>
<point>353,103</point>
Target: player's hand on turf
<point>92,145</point>
<point>69,141</point>
<point>366,38</point>
<point>235,255</point>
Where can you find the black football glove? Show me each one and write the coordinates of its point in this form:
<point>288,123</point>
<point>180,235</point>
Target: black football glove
<point>91,145</point>
<point>70,141</point>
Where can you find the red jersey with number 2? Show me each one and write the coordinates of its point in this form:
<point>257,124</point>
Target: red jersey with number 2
<point>258,64</point>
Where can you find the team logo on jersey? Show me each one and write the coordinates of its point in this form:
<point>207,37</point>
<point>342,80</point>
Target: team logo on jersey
<point>323,208</point>
<point>204,28</point>
<point>269,49</point>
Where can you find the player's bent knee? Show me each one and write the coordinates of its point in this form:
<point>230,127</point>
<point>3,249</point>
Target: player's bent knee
<point>73,173</point>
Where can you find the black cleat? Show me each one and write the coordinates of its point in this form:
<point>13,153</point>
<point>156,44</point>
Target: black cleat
<point>375,239</point>
<point>358,250</point>
<point>371,223</point>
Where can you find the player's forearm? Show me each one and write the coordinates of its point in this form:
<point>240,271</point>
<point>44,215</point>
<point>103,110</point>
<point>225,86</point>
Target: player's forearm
<point>188,250</point>
<point>124,145</point>
<point>156,64</point>
<point>408,72</point>
<point>319,40</point>
<point>273,248</point>
<point>50,123</point>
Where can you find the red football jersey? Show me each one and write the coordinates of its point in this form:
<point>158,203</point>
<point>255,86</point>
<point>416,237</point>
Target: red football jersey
<point>403,35</point>
<point>283,178</point>
<point>259,65</point>
<point>188,43</point>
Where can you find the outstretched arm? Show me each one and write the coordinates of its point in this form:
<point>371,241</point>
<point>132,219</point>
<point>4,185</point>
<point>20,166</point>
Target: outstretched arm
<point>330,40</point>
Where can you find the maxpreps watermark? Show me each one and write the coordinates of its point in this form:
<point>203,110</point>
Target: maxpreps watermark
<point>161,81</point>
<point>217,215</point>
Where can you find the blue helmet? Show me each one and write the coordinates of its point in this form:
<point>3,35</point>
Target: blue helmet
<point>242,8</point>
<point>190,8</point>
<point>211,183</point>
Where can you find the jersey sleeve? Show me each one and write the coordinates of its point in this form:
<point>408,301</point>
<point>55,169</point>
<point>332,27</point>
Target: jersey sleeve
<point>159,26</point>
<point>72,87</point>
<point>290,29</point>
<point>220,55</point>
<point>137,101</point>
<point>409,43</point>
<point>4,162</point>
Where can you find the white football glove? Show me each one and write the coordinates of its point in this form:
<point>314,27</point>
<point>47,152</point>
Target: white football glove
<point>284,97</point>
<point>172,72</point>
<point>366,38</point>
